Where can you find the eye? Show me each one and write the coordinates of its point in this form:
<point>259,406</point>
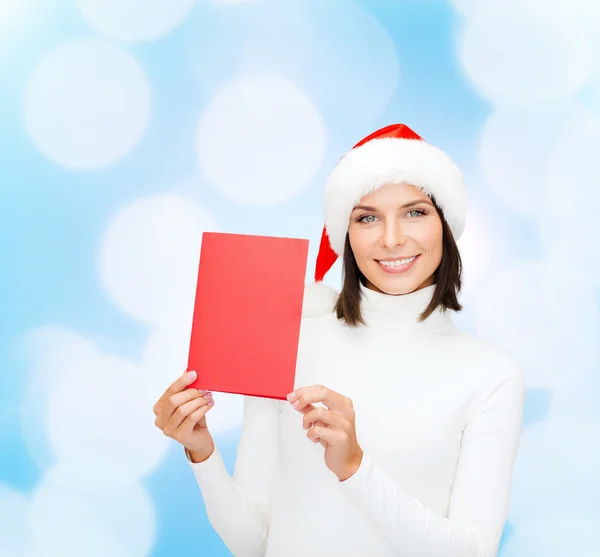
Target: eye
<point>418,212</point>
<point>362,219</point>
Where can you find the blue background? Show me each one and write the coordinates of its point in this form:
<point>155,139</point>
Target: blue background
<point>56,211</point>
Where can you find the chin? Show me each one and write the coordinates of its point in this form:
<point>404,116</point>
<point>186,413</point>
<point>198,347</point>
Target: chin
<point>395,284</point>
<point>394,289</point>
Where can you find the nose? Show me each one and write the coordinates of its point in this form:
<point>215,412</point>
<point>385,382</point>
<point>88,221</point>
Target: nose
<point>393,234</point>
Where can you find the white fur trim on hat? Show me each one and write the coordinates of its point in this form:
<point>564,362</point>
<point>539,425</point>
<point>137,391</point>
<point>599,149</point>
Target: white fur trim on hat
<point>388,160</point>
<point>319,299</point>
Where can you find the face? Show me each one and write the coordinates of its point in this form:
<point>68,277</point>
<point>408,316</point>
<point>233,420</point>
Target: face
<point>396,237</point>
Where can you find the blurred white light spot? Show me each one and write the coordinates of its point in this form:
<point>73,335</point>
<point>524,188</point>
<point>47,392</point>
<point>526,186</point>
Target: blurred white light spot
<point>6,6</point>
<point>575,533</point>
<point>578,442</point>
<point>118,522</point>
<point>516,147</point>
<point>350,76</point>
<point>525,51</point>
<point>578,402</point>
<point>558,486</point>
<point>15,16</point>
<point>554,531</point>
<point>100,425</point>
<point>570,227</point>
<point>227,415</point>
<point>536,486</point>
<point>260,141</point>
<point>51,352</point>
<point>165,359</point>
<point>273,38</point>
<point>465,6</point>
<point>149,257</point>
<point>15,523</point>
<point>546,316</point>
<point>478,249</point>
<point>54,349</point>
<point>135,20</point>
<point>87,104</point>
<point>355,69</point>
<point>589,12</point>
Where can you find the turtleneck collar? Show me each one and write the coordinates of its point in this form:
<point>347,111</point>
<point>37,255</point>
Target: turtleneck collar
<point>402,311</point>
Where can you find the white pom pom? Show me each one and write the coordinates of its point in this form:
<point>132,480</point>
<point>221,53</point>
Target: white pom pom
<point>319,299</point>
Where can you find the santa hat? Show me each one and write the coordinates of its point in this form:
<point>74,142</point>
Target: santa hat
<point>393,154</point>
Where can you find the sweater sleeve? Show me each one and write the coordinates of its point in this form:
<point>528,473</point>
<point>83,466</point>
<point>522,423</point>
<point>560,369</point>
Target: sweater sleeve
<point>238,507</point>
<point>481,491</point>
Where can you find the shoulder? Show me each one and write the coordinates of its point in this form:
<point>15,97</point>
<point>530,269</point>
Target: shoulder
<point>496,364</point>
<point>497,378</point>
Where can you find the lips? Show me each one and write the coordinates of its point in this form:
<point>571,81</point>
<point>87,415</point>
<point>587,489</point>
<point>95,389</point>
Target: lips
<point>395,258</point>
<point>394,269</point>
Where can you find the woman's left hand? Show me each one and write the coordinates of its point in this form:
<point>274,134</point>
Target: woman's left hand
<point>333,426</point>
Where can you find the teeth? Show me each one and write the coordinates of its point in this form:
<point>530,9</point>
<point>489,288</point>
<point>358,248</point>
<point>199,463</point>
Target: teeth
<point>398,263</point>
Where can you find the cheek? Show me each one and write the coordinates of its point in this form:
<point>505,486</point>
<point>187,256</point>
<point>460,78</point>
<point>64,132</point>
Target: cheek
<point>359,242</point>
<point>431,239</point>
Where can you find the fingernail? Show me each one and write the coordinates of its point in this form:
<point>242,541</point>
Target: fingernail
<point>191,374</point>
<point>210,402</point>
<point>291,396</point>
<point>296,404</point>
<point>208,396</point>
<point>202,391</point>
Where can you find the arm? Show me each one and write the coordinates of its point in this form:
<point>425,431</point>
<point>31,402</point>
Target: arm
<point>238,507</point>
<point>480,494</point>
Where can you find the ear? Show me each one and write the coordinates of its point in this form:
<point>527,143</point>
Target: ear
<point>319,299</point>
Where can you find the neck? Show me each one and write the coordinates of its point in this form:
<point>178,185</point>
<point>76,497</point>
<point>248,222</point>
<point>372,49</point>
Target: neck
<point>402,311</point>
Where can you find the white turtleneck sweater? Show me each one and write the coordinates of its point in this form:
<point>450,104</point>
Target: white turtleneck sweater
<point>438,416</point>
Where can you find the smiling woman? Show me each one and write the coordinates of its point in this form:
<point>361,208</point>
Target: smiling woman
<point>414,425</point>
<point>398,241</point>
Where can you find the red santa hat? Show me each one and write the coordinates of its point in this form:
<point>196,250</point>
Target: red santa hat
<point>393,154</point>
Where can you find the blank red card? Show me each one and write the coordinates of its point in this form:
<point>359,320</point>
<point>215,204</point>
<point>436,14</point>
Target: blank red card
<point>247,314</point>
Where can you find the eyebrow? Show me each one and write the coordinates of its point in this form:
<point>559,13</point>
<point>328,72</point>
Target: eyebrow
<point>405,206</point>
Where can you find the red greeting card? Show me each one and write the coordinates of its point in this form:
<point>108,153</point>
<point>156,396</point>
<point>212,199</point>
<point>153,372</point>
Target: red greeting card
<point>247,314</point>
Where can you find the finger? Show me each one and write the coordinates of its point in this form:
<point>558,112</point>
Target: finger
<point>321,441</point>
<point>183,411</point>
<point>326,434</point>
<point>314,394</point>
<point>327,417</point>
<point>176,387</point>
<point>169,407</point>
<point>317,439</point>
<point>186,427</point>
<point>319,393</point>
<point>308,408</point>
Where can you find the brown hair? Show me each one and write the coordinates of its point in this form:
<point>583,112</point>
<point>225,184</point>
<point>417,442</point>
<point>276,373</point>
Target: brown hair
<point>447,277</point>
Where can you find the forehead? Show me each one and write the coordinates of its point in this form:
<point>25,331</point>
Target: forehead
<point>394,194</point>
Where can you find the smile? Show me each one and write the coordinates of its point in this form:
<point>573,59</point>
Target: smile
<point>398,265</point>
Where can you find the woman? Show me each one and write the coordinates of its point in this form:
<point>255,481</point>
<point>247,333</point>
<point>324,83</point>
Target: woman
<point>414,424</point>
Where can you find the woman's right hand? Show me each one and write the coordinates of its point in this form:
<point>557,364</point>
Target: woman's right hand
<point>181,415</point>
